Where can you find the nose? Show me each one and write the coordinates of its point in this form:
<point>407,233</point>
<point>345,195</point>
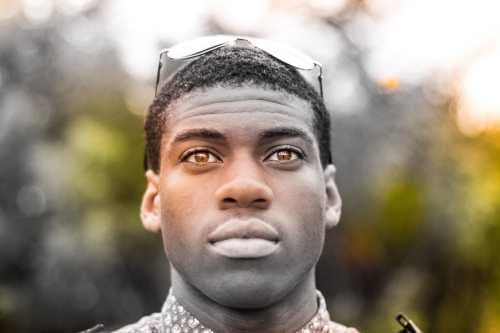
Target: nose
<point>244,192</point>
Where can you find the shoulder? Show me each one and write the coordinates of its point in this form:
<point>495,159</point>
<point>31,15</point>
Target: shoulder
<point>338,328</point>
<point>148,324</point>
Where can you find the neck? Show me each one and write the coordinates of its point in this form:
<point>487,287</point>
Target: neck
<point>288,314</point>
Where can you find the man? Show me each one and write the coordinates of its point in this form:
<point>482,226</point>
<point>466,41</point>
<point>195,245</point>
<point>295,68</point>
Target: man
<point>241,186</point>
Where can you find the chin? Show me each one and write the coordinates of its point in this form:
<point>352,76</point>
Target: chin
<point>247,290</point>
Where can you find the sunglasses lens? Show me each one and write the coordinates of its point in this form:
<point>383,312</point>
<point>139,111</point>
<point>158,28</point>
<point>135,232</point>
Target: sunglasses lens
<point>197,46</point>
<point>285,53</point>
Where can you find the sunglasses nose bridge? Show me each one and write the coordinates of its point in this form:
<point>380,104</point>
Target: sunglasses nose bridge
<point>242,42</point>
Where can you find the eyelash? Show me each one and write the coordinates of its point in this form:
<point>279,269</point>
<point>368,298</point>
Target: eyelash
<point>298,152</point>
<point>191,152</point>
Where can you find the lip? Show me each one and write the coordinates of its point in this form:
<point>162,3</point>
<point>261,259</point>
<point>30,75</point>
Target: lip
<point>250,228</point>
<point>252,238</point>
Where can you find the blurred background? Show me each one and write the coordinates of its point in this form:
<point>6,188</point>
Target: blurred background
<point>412,86</point>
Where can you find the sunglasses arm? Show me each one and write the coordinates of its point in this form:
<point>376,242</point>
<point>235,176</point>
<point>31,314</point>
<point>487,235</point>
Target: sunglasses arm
<point>158,70</point>
<point>320,78</point>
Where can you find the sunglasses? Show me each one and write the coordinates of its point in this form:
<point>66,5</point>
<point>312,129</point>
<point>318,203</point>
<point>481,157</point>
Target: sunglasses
<point>174,58</point>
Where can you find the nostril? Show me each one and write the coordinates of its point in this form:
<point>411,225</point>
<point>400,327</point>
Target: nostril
<point>229,200</point>
<point>261,203</point>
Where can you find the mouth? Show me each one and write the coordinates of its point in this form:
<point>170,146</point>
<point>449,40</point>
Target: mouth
<point>244,239</point>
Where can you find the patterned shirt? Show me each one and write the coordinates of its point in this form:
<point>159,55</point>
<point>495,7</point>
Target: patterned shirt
<point>174,318</point>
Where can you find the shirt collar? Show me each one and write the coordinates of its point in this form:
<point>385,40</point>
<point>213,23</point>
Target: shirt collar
<point>176,318</point>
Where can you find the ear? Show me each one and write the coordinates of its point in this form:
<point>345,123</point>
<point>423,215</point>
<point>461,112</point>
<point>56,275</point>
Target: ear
<point>333,201</point>
<point>150,205</point>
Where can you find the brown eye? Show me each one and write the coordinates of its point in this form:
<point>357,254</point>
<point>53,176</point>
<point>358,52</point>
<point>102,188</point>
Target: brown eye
<point>201,157</point>
<point>285,155</point>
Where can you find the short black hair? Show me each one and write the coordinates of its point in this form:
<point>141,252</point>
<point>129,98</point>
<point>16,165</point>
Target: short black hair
<point>233,66</point>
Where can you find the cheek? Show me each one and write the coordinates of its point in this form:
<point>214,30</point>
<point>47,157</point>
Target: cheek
<point>306,194</point>
<point>304,202</point>
<point>182,197</point>
<point>180,209</point>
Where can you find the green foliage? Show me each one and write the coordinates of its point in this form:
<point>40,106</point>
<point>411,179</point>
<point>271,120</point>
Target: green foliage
<point>400,212</point>
<point>105,144</point>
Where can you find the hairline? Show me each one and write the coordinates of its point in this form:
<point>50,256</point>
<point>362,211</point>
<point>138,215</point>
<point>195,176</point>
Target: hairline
<point>284,93</point>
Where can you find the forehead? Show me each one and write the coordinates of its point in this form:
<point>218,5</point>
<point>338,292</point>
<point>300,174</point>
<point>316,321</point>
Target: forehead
<point>239,109</point>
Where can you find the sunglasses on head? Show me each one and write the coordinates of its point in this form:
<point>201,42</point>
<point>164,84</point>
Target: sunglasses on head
<point>177,56</point>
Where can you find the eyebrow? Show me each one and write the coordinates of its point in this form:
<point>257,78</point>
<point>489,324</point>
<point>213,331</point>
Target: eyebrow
<point>266,135</point>
<point>200,134</point>
<point>284,132</point>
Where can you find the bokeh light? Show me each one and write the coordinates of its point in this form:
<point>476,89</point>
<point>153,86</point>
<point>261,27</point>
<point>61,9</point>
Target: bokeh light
<point>479,99</point>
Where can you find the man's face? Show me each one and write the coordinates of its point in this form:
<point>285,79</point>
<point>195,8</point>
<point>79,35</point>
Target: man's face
<point>241,198</point>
